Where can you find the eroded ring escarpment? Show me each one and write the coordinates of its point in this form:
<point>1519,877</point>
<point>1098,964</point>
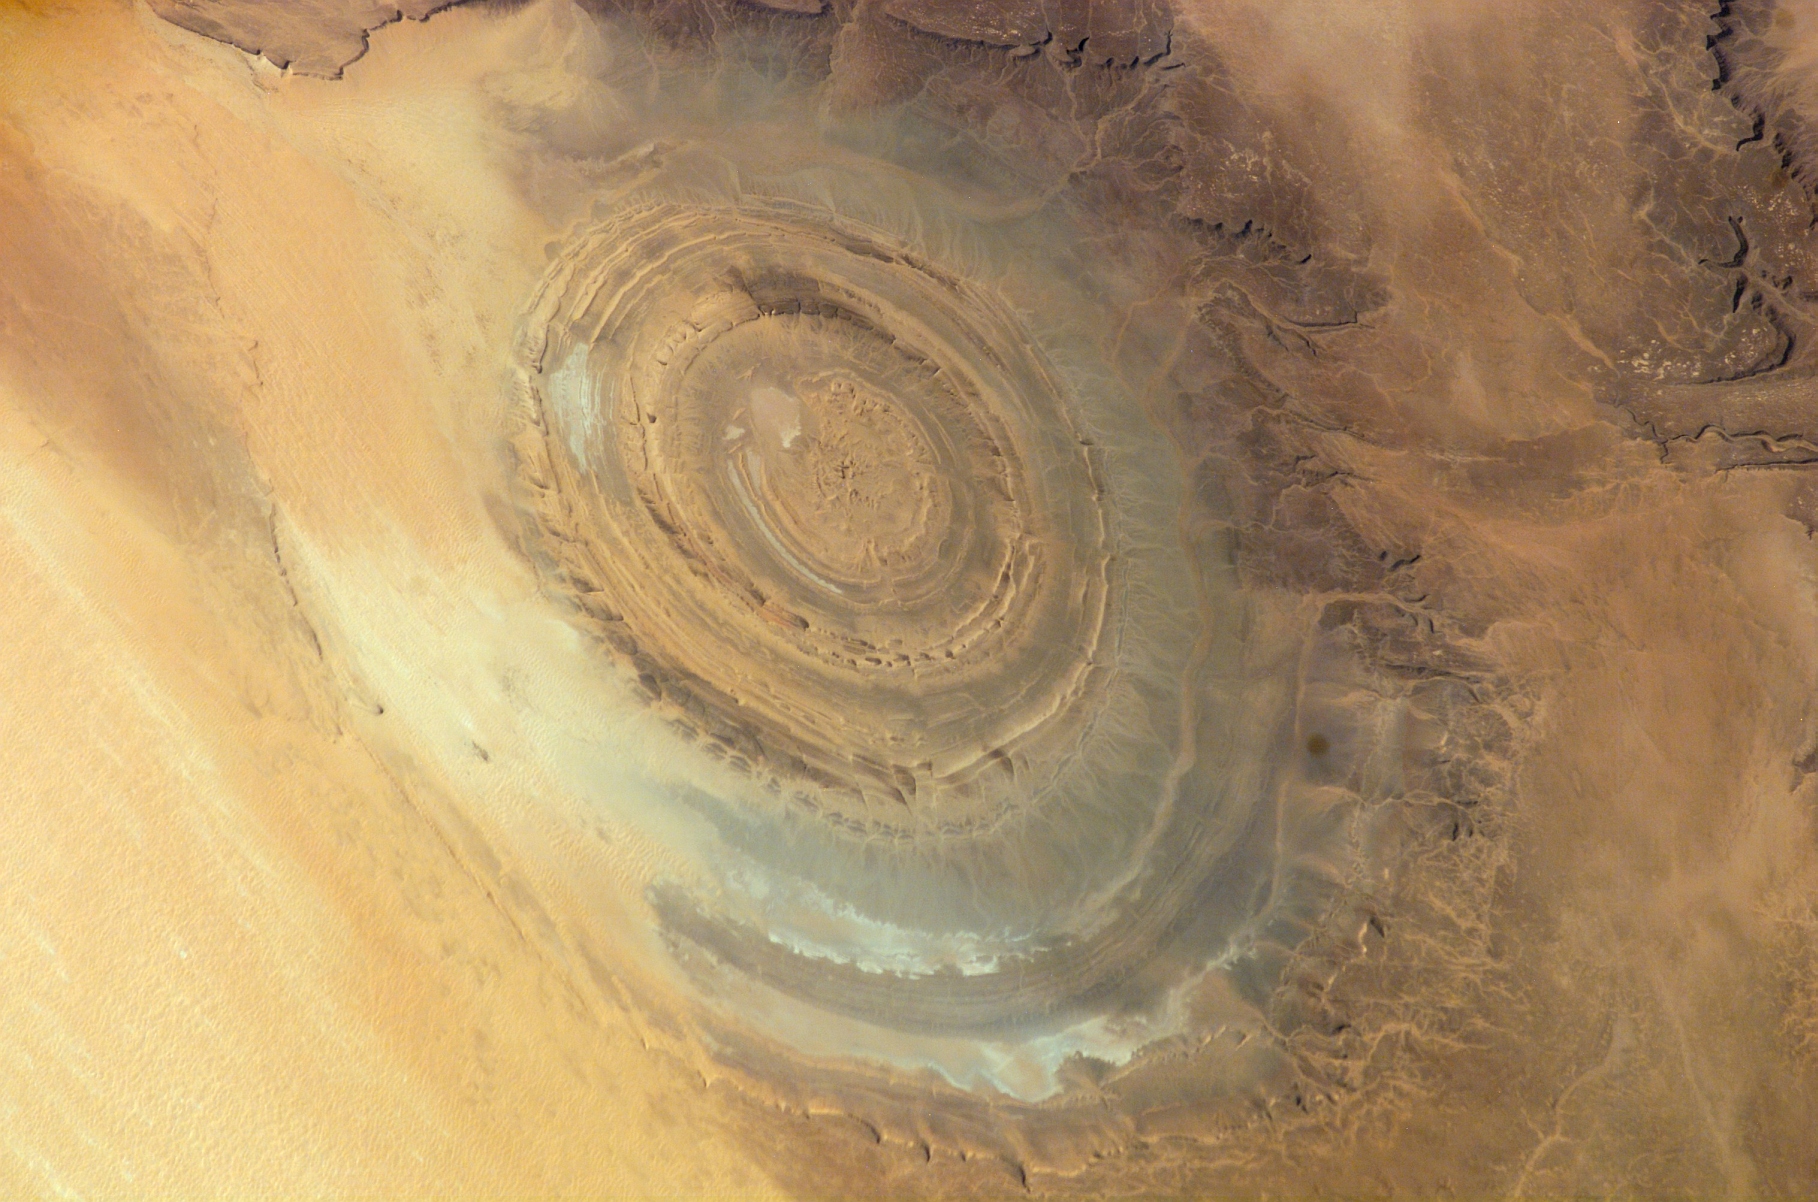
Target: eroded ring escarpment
<point>961,701</point>
<point>906,507</point>
<point>830,506</point>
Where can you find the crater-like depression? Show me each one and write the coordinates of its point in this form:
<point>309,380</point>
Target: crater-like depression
<point>909,598</point>
<point>842,519</point>
<point>981,751</point>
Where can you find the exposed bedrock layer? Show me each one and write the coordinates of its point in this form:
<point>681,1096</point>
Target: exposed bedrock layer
<point>840,512</point>
<point>897,487</point>
<point>926,596</point>
<point>989,762</point>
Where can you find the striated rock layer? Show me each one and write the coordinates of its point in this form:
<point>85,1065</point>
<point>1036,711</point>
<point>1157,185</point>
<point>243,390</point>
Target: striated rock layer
<point>908,597</point>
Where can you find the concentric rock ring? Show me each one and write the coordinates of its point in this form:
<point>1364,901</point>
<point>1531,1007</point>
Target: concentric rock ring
<point>828,503</point>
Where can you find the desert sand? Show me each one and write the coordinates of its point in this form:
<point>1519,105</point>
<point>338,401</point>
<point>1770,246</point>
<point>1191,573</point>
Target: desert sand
<point>910,598</point>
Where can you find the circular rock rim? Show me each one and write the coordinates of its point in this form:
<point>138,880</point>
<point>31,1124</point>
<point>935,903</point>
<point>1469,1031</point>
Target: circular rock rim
<point>943,709</point>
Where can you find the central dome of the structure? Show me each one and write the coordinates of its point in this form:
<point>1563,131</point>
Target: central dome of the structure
<point>836,509</point>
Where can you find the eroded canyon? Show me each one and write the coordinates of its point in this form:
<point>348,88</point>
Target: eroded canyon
<point>909,598</point>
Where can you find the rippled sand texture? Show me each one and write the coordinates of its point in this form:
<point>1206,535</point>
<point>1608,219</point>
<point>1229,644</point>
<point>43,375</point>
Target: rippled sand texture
<point>910,597</point>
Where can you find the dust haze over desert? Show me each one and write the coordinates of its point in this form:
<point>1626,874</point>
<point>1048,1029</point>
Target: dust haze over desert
<point>909,598</point>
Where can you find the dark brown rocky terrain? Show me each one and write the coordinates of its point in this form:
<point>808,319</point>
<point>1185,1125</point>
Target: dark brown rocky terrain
<point>910,597</point>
